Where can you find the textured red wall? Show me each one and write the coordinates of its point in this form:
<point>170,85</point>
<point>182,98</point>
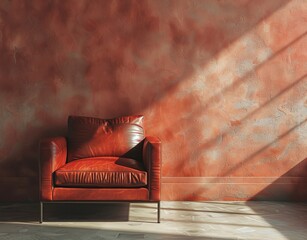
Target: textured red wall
<point>222,83</point>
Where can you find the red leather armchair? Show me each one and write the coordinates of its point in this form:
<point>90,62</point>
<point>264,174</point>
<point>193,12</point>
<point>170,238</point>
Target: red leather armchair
<point>101,160</point>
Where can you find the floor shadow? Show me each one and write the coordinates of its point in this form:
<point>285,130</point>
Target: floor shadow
<point>65,212</point>
<point>92,212</point>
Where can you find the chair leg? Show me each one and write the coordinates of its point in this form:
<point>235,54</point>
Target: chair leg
<point>41,212</point>
<point>159,212</point>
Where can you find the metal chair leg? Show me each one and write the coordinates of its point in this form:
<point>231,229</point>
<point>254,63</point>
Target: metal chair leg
<point>159,212</point>
<point>41,212</point>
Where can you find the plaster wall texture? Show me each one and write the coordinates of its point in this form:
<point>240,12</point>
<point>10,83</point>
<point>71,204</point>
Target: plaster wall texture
<point>222,83</point>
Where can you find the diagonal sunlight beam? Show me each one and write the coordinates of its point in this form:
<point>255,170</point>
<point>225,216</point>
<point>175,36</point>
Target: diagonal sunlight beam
<point>222,64</point>
<point>215,98</point>
<point>212,141</point>
<point>253,155</point>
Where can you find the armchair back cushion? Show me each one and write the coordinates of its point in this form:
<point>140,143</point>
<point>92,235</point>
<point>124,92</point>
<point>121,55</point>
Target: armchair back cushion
<point>94,137</point>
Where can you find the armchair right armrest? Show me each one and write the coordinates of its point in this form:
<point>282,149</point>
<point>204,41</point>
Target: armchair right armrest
<point>152,156</point>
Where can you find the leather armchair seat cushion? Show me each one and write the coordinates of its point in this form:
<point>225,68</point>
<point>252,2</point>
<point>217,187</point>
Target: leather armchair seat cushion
<point>106,172</point>
<point>95,137</point>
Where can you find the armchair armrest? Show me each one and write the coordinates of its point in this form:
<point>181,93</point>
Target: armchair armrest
<point>152,161</point>
<point>53,152</point>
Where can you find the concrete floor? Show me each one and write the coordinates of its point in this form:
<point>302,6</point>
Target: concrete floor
<point>180,220</point>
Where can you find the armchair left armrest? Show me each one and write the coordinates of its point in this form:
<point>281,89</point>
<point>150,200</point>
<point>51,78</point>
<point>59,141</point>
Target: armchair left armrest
<point>53,153</point>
